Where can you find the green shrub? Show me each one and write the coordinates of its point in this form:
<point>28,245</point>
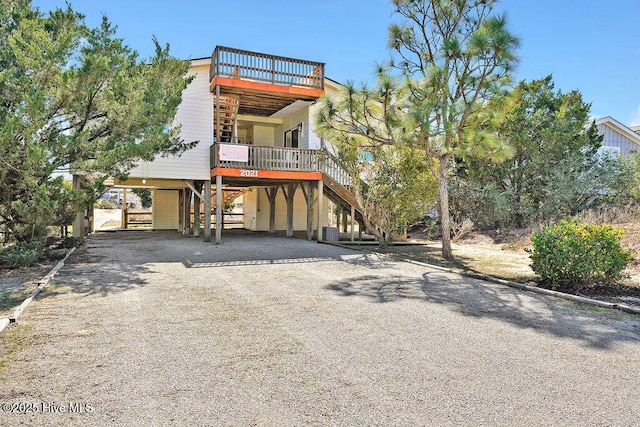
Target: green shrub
<point>575,253</point>
<point>21,254</point>
<point>107,204</point>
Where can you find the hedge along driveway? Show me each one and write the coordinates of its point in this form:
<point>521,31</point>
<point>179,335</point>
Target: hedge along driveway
<point>158,329</point>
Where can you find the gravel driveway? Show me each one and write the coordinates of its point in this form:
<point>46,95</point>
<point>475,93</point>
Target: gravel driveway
<point>160,329</point>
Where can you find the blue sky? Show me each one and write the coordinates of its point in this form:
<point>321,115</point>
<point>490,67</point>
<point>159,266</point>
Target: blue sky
<point>585,45</point>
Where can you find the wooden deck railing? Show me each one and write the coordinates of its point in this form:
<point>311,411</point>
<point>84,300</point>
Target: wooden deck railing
<point>243,64</point>
<point>137,219</point>
<point>283,159</point>
<point>270,158</point>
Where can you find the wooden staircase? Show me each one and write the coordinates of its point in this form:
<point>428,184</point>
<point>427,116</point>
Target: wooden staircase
<point>338,187</point>
<point>228,196</point>
<point>225,112</point>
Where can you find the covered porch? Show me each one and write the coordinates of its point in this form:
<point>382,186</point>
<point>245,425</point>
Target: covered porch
<point>302,196</point>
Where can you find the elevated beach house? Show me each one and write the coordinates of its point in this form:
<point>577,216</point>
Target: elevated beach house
<point>252,114</point>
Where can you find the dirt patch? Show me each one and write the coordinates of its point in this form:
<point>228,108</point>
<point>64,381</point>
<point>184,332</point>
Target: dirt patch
<point>507,259</point>
<point>478,255</point>
<point>16,285</point>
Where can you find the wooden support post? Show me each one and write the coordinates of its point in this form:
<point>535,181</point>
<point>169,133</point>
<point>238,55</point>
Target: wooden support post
<point>78,223</point>
<point>339,221</point>
<point>92,217</point>
<point>207,210</point>
<point>125,210</point>
<point>309,198</point>
<point>219,208</point>
<point>234,138</point>
<point>320,223</point>
<point>289,194</point>
<point>181,210</point>
<point>186,211</point>
<point>353,220</point>
<point>344,220</point>
<point>217,112</point>
<point>271,194</point>
<point>196,208</point>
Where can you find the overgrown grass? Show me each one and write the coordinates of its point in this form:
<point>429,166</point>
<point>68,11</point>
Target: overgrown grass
<point>616,214</point>
<point>480,259</point>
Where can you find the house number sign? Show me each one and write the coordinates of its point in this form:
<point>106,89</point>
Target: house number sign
<point>249,173</point>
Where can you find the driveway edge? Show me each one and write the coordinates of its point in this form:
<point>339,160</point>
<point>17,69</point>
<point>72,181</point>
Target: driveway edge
<point>41,284</point>
<point>604,304</point>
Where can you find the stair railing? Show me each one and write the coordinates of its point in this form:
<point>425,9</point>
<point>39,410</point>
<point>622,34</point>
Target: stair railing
<point>332,167</point>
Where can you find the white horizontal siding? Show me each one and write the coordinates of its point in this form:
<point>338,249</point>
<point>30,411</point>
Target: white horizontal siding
<point>331,90</point>
<point>263,135</point>
<point>291,122</point>
<point>314,141</point>
<point>195,114</point>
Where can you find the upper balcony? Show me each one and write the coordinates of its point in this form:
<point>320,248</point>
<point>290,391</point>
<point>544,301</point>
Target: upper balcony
<point>264,83</point>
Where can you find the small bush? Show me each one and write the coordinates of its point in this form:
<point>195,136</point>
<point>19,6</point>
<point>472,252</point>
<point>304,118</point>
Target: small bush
<point>575,253</point>
<point>107,204</point>
<point>21,254</point>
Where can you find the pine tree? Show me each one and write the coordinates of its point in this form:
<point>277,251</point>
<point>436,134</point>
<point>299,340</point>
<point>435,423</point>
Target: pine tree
<point>453,57</point>
<point>75,97</point>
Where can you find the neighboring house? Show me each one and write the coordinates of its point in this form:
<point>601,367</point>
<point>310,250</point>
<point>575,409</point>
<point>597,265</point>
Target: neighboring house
<point>618,139</point>
<point>252,114</point>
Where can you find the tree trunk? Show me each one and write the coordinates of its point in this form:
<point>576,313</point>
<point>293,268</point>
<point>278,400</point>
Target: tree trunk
<point>443,196</point>
<point>382,242</point>
<point>371,228</point>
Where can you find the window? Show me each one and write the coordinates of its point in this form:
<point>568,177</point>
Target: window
<point>292,137</point>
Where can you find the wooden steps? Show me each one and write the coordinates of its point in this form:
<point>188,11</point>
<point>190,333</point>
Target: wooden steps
<point>343,196</point>
<point>225,111</point>
<point>228,196</point>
